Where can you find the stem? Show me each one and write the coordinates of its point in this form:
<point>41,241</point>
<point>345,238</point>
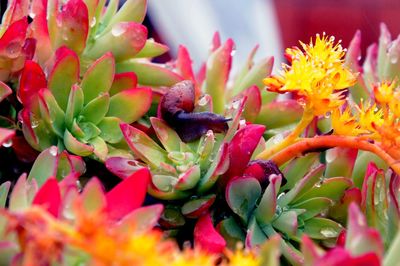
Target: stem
<point>306,119</point>
<point>326,142</point>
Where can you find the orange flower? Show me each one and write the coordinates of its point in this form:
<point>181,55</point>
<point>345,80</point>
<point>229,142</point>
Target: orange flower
<point>317,75</point>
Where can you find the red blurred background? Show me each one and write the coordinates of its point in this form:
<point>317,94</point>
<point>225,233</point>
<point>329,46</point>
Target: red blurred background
<point>300,19</point>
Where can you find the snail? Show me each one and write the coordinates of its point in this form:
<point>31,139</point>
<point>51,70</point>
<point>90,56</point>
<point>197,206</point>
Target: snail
<point>176,108</point>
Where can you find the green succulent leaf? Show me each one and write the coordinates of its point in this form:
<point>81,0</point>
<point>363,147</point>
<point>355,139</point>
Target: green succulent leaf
<point>242,195</point>
<point>340,161</point>
<point>93,197</point>
<point>75,146</point>
<point>255,76</point>
<point>305,184</point>
<point>322,228</point>
<point>313,207</point>
<point>124,104</point>
<point>51,112</point>
<point>255,235</point>
<point>143,146</point>
<point>149,74</point>
<point>124,40</point>
<point>123,81</point>
<point>4,189</point>
<point>96,109</point>
<point>132,10</point>
<point>167,136</point>
<point>267,206</point>
<point>98,78</point>
<point>64,75</point>
<point>45,166</point>
<point>286,222</point>
<point>164,183</point>
<point>152,49</point>
<point>100,148</point>
<point>332,188</point>
<point>19,199</point>
<point>189,179</point>
<point>109,129</point>
<point>197,207</point>
<point>74,105</point>
<point>298,168</point>
<point>90,131</point>
<point>232,232</point>
<point>172,217</point>
<point>278,114</point>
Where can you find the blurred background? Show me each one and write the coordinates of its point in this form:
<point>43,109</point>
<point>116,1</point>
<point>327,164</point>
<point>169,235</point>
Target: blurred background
<point>273,24</point>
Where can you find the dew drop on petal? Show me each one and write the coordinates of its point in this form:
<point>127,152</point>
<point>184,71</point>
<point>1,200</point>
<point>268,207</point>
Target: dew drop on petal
<point>117,30</point>
<point>8,143</point>
<point>328,232</point>
<point>53,151</point>
<point>93,22</point>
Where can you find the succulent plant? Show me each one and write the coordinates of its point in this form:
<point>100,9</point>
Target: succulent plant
<point>80,115</point>
<point>265,207</point>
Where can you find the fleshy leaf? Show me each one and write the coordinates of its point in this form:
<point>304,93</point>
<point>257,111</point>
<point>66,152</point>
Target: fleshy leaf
<point>128,195</point>
<point>32,80</point>
<point>197,207</point>
<point>45,166</point>
<point>100,148</point>
<point>123,81</point>
<point>122,167</point>
<point>286,222</point>
<point>231,232</point>
<point>142,219</point>
<point>122,104</point>
<point>63,75</point>
<point>49,196</point>
<point>189,179</point>
<point>152,49</point>
<point>340,162</point>
<point>19,200</point>
<point>313,207</point>
<point>279,114</point>
<point>184,64</point>
<point>125,40</point>
<point>143,146</point>
<point>4,91</point>
<point>110,131</point>
<point>93,197</point>
<point>72,26</point>
<point>51,112</point>
<point>218,68</point>
<point>132,10</point>
<point>253,103</point>
<point>206,237</point>
<point>267,206</point>
<point>322,228</point>
<point>241,149</point>
<point>75,146</point>
<point>332,188</point>
<point>4,189</point>
<point>242,194</point>
<point>98,78</point>
<point>74,105</point>
<point>149,74</point>
<point>255,75</point>
<point>255,236</point>
<point>167,136</point>
<point>95,110</point>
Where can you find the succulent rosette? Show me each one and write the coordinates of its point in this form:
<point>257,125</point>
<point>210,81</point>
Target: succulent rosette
<point>81,115</point>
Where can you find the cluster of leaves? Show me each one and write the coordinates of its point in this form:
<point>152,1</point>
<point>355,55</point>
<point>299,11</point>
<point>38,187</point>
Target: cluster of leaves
<point>228,173</point>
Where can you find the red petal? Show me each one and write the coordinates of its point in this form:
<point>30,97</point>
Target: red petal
<point>206,237</point>
<point>128,195</point>
<point>49,196</point>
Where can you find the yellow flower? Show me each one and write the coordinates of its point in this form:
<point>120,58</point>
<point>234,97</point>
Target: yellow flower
<point>345,123</point>
<point>370,116</point>
<point>316,75</point>
<point>243,258</point>
<point>383,92</point>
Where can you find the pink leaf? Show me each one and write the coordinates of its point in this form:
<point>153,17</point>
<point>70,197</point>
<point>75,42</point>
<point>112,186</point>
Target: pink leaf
<point>14,37</point>
<point>128,195</point>
<point>122,167</point>
<point>6,135</point>
<point>184,64</point>
<point>241,149</point>
<point>123,81</point>
<point>32,80</point>
<point>253,103</point>
<point>49,196</point>
<point>40,30</point>
<point>206,237</point>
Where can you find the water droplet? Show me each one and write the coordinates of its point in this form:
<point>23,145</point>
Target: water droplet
<point>327,114</point>
<point>8,143</point>
<point>236,105</point>
<point>376,200</point>
<point>93,22</point>
<point>13,49</point>
<point>328,232</point>
<point>117,30</point>
<point>32,14</point>
<point>34,122</point>
<point>359,58</point>
<point>53,151</point>
<point>233,52</point>
<point>394,59</point>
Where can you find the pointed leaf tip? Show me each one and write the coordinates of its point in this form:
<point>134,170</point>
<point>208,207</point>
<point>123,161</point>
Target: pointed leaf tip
<point>49,196</point>
<point>206,237</point>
